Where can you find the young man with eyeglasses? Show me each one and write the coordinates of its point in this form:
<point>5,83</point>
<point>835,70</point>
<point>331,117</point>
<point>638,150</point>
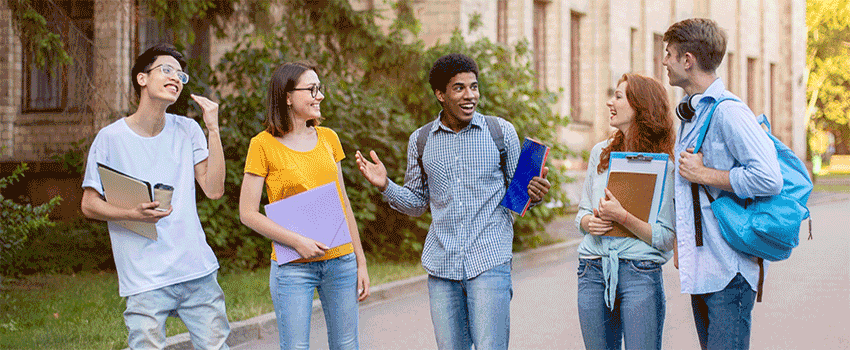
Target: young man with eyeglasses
<point>174,275</point>
<point>468,249</point>
<point>736,156</point>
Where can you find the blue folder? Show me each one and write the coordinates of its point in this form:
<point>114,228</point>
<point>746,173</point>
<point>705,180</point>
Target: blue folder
<point>532,158</point>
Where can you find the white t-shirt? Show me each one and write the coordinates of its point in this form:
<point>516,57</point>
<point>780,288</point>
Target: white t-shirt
<point>181,252</point>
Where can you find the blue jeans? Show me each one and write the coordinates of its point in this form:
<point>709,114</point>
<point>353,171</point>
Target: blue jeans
<point>199,303</point>
<point>639,307</point>
<point>292,287</point>
<point>723,318</point>
<point>472,311</point>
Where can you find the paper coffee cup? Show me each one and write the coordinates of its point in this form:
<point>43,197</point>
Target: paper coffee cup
<point>162,193</point>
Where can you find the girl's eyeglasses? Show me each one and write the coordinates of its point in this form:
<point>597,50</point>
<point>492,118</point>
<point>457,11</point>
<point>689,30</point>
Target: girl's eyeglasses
<point>314,90</point>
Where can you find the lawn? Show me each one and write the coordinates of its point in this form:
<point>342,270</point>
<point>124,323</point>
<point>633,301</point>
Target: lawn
<point>84,311</point>
<point>833,183</point>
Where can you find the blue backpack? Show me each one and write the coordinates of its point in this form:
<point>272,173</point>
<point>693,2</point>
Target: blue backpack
<point>764,227</point>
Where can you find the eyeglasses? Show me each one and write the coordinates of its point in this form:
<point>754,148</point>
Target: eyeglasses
<point>168,71</point>
<point>314,90</point>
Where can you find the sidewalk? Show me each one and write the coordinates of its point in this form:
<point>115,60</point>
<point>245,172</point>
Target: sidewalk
<point>562,229</point>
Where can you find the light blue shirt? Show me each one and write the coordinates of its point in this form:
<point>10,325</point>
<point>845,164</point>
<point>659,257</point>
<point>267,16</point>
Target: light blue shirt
<point>736,143</point>
<point>470,232</point>
<point>611,249</point>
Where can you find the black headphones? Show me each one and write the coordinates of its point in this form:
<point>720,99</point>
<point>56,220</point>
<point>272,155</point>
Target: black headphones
<point>685,110</point>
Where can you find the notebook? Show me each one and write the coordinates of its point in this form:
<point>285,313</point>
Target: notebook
<point>127,192</point>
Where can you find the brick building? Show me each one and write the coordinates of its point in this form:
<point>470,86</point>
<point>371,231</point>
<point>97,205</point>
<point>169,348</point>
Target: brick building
<point>584,46</point>
<point>581,47</point>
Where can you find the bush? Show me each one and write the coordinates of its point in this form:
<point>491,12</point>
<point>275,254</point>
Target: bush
<point>66,248</point>
<point>378,94</point>
<point>17,222</point>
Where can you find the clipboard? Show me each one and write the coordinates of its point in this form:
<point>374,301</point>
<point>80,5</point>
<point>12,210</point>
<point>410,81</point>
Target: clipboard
<point>531,160</point>
<point>637,181</point>
<point>316,213</point>
<point>125,191</point>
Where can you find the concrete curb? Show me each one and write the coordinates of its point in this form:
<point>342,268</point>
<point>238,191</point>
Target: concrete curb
<point>257,327</point>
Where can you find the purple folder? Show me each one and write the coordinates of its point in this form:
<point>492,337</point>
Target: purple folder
<point>315,213</point>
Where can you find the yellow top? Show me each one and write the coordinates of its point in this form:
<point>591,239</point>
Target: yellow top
<point>289,172</point>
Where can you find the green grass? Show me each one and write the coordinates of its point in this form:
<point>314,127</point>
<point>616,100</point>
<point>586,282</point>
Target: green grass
<point>833,183</point>
<point>84,311</point>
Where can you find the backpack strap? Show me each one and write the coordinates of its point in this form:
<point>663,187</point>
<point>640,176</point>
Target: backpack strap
<point>421,139</point>
<point>495,132</point>
<point>499,140</point>
<point>704,127</point>
<point>695,187</point>
<point>760,289</point>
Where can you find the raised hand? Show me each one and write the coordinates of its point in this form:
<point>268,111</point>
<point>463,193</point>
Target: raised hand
<point>375,173</point>
<point>209,109</point>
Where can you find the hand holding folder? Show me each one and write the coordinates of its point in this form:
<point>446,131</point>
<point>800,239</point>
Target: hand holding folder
<point>531,160</point>
<point>316,213</point>
<point>127,192</point>
<point>636,180</point>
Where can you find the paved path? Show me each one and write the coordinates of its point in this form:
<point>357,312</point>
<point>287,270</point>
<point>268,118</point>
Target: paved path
<point>806,301</point>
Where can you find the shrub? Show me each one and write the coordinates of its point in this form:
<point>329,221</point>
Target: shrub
<point>378,94</point>
<point>18,221</point>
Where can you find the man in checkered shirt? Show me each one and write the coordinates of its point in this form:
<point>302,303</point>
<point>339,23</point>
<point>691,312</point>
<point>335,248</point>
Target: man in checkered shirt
<point>467,251</point>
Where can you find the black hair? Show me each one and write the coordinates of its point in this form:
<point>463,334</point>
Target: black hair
<point>446,67</point>
<point>147,58</point>
<point>284,78</point>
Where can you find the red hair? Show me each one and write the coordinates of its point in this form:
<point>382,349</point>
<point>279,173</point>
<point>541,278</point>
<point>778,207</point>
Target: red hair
<point>651,130</point>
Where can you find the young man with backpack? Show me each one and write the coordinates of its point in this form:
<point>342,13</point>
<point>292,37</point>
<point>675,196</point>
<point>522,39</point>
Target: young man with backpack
<point>459,174</point>
<point>736,156</point>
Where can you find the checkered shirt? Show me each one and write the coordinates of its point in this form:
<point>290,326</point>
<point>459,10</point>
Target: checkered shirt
<point>470,232</point>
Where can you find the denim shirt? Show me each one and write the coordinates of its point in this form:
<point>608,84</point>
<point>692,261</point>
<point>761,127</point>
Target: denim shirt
<point>736,143</point>
<point>470,232</point>
<point>612,249</point>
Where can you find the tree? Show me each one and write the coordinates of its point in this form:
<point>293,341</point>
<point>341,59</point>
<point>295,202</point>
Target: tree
<point>828,61</point>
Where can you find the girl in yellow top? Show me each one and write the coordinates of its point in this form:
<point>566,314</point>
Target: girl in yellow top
<point>291,156</point>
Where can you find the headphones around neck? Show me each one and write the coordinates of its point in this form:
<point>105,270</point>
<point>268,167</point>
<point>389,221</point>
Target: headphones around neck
<point>685,110</point>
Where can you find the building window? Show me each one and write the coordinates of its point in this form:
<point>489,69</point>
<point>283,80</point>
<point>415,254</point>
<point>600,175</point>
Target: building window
<point>540,42</point>
<point>64,87</point>
<point>730,74</point>
<point>151,32</point>
<point>575,67</point>
<point>658,56</point>
<point>502,22</point>
<point>753,86</point>
<point>773,91</point>
<point>635,51</point>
